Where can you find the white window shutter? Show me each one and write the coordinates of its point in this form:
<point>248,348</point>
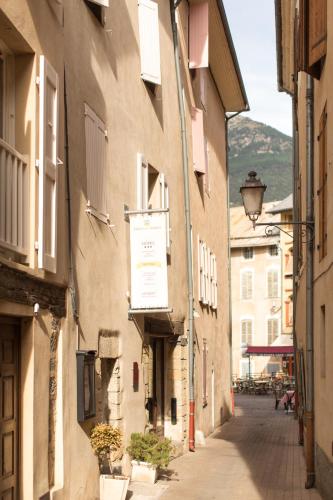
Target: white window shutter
<point>104,3</point>
<point>141,183</point>
<point>164,197</point>
<point>149,41</point>
<point>48,148</point>
<point>96,145</point>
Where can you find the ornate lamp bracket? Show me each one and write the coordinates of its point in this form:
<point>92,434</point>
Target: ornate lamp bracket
<point>306,229</point>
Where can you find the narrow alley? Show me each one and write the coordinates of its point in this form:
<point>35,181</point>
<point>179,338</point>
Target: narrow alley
<point>254,456</point>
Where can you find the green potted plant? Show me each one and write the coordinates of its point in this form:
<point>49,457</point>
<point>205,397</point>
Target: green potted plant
<point>106,441</point>
<point>148,453</point>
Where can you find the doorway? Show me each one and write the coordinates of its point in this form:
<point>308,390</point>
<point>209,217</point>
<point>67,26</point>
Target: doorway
<point>9,411</point>
<point>158,385</point>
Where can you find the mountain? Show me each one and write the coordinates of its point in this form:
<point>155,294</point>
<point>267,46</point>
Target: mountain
<point>259,147</point>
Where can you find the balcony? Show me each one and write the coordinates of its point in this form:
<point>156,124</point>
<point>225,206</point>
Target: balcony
<point>14,201</point>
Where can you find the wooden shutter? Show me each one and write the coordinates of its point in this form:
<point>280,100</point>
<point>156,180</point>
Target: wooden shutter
<point>149,41</point>
<point>246,326</point>
<point>198,53</point>
<point>141,183</point>
<point>48,149</point>
<point>96,141</point>
<point>214,282</point>
<point>272,330</point>
<point>272,284</point>
<point>312,35</point>
<point>198,141</point>
<point>204,373</point>
<point>247,285</point>
<point>322,190</point>
<point>201,260</point>
<point>317,30</point>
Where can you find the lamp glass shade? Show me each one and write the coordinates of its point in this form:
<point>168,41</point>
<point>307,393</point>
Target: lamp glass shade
<point>252,193</point>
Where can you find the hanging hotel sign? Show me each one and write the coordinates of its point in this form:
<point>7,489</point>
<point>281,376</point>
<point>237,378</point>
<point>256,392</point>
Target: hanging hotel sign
<point>149,278</point>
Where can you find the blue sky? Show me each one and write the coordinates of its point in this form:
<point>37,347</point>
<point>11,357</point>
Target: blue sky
<point>253,31</point>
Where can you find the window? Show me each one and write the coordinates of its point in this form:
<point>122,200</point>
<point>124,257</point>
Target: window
<point>248,253</point>
<point>246,331</point>
<point>273,283</point>
<point>246,367</point>
<point>322,191</point>
<point>7,96</point>
<point>152,191</point>
<point>96,146</point>
<point>272,330</point>
<point>204,373</point>
<point>96,7</point>
<point>247,285</point>
<point>273,250</point>
<point>207,275</point>
<point>149,41</point>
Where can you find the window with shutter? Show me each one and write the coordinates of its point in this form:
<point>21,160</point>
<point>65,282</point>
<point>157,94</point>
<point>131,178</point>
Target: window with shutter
<point>96,147</point>
<point>272,330</point>
<point>141,183</point>
<point>213,282</point>
<point>149,41</point>
<point>272,284</point>
<point>248,253</point>
<point>96,7</point>
<point>247,284</point>
<point>322,189</point>
<point>312,36</point>
<point>198,141</point>
<point>198,52</point>
<point>164,197</point>
<point>201,266</point>
<point>246,332</point>
<point>48,148</point>
<point>204,373</point>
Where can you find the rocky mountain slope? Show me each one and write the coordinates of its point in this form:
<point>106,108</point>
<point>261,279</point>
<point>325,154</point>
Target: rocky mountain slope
<point>259,147</point>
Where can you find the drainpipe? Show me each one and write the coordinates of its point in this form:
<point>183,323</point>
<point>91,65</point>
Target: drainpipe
<point>299,409</point>
<point>309,405</point>
<point>227,119</point>
<point>71,284</point>
<point>173,6</point>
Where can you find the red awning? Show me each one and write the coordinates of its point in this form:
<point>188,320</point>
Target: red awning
<point>271,350</point>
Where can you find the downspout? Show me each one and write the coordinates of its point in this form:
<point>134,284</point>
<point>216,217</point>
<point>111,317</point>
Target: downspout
<point>299,408</point>
<point>227,119</point>
<point>173,6</point>
<point>71,284</point>
<point>309,405</point>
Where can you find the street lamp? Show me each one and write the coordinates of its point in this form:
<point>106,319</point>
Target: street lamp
<point>252,192</point>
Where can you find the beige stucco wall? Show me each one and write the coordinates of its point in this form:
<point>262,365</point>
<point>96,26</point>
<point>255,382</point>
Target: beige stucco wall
<point>102,68</point>
<point>323,277</point>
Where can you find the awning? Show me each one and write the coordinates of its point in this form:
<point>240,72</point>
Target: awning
<point>271,350</point>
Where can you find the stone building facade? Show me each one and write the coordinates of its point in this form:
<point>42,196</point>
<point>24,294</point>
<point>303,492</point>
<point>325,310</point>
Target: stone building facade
<point>305,39</point>
<point>90,129</point>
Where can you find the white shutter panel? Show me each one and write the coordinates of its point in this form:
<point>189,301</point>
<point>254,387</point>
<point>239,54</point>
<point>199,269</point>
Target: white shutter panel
<point>250,285</point>
<point>164,196</point>
<point>96,137</point>
<point>201,270</point>
<point>141,183</point>
<point>269,325</point>
<point>149,41</point>
<point>104,3</point>
<point>48,147</point>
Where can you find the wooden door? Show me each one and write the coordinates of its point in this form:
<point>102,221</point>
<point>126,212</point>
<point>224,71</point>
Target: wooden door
<point>9,341</point>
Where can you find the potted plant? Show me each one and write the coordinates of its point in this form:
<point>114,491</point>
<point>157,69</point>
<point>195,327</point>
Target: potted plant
<point>106,441</point>
<point>148,453</point>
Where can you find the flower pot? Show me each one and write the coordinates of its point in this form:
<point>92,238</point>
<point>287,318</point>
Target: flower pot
<point>143,472</point>
<point>113,487</point>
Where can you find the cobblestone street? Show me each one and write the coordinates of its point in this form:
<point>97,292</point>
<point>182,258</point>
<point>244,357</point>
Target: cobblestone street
<point>254,456</point>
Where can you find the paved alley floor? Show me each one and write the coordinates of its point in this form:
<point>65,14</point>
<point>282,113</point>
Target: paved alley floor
<point>254,456</point>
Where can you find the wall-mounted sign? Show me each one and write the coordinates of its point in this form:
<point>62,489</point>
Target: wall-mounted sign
<point>149,278</point>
